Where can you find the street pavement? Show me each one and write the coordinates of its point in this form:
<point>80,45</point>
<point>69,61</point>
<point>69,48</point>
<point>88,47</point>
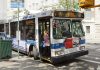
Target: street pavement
<point>23,62</point>
<point>94,53</point>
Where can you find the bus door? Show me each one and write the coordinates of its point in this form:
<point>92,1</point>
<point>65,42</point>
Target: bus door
<point>44,37</point>
<point>78,33</point>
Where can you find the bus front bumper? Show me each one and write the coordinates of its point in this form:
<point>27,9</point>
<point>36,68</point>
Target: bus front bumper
<point>70,56</point>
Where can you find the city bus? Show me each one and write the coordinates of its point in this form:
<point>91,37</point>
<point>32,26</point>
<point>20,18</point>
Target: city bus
<point>55,36</point>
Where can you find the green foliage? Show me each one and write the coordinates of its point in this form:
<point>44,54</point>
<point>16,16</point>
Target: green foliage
<point>64,4</point>
<point>68,4</point>
<point>26,11</point>
<point>76,6</point>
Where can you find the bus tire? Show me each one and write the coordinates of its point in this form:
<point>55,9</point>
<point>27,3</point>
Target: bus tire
<point>35,53</point>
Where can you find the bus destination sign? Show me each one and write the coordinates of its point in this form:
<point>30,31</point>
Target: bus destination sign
<point>68,14</point>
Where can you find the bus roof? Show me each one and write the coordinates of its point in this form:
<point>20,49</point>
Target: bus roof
<point>60,13</point>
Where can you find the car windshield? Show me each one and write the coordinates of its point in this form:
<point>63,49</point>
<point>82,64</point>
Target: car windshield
<point>61,28</point>
<point>77,29</point>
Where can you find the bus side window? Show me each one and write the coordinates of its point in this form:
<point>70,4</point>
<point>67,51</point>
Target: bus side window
<point>30,35</point>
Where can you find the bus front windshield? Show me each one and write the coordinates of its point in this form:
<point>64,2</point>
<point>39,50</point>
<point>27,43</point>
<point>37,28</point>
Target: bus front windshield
<point>61,28</point>
<point>77,29</point>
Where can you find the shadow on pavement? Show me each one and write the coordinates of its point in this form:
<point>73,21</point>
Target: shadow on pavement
<point>31,64</point>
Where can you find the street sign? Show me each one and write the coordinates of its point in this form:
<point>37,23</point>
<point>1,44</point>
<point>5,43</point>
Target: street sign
<point>16,5</point>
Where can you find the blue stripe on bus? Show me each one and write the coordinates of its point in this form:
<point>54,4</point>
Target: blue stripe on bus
<point>56,46</point>
<point>82,41</point>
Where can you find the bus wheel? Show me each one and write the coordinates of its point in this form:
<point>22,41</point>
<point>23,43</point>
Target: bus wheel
<point>35,53</point>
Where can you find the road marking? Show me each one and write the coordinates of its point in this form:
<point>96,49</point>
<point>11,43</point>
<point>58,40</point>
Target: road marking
<point>90,61</point>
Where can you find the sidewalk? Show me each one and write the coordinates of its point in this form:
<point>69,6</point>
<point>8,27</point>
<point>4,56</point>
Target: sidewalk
<point>15,61</point>
<point>20,57</point>
<point>16,58</point>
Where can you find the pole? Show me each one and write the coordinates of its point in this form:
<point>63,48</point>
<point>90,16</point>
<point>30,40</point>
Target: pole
<point>5,27</point>
<point>9,28</point>
<point>18,26</point>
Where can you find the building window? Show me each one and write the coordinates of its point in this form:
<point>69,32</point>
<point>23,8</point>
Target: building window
<point>88,9</point>
<point>89,14</point>
<point>87,29</point>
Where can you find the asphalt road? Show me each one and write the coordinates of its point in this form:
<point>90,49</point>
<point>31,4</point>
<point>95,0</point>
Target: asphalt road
<point>94,54</point>
<point>88,62</point>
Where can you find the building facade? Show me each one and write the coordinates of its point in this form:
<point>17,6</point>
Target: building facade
<point>3,9</point>
<point>91,24</point>
<point>31,6</point>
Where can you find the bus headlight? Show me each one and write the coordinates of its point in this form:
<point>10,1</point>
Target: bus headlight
<point>59,52</point>
<point>82,48</point>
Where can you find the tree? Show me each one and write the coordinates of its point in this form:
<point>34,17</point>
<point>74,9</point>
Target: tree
<point>26,12</point>
<point>64,4</point>
<point>69,4</point>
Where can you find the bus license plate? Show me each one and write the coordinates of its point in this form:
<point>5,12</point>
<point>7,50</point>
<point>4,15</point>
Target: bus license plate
<point>71,50</point>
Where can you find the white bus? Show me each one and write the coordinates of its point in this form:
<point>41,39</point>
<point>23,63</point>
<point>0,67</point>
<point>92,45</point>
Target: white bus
<point>55,36</point>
